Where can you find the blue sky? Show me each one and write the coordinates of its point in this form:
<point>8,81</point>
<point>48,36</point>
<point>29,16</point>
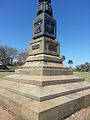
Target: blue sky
<point>73,26</point>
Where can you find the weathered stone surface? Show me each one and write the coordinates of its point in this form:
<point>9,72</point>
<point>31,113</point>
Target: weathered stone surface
<point>43,57</point>
<point>44,45</point>
<point>44,68</point>
<point>43,64</point>
<point>43,93</point>
<point>43,72</point>
<point>44,97</point>
<point>44,80</point>
<point>53,109</point>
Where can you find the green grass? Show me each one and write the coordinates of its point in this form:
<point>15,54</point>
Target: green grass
<point>88,119</point>
<point>86,75</point>
<point>12,67</point>
<point>20,118</point>
<point>3,74</point>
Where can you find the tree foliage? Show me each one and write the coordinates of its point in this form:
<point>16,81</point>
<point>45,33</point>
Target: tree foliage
<point>7,54</point>
<point>83,67</point>
<point>3,55</point>
<point>62,59</point>
<point>22,56</point>
<point>70,62</point>
<point>11,52</point>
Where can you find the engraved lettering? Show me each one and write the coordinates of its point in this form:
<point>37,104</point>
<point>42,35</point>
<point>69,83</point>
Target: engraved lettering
<point>52,48</point>
<point>35,47</point>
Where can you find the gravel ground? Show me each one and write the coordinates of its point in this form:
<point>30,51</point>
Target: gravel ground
<point>83,114</point>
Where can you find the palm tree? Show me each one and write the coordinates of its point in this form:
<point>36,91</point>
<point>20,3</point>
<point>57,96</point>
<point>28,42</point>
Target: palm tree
<point>70,62</point>
<point>62,58</point>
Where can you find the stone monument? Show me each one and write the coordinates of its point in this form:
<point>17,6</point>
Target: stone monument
<point>43,89</point>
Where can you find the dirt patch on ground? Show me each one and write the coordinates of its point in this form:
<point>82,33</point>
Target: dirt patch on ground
<point>83,114</point>
<point>5,114</point>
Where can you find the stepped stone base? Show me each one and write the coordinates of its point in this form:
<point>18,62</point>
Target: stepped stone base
<point>53,109</point>
<point>43,89</point>
<point>43,68</point>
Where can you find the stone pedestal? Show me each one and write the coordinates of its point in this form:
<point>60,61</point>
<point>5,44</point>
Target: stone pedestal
<point>44,45</point>
<point>43,89</point>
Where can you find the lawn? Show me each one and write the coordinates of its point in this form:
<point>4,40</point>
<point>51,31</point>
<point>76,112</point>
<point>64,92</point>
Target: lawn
<point>3,74</point>
<point>11,68</point>
<point>86,75</point>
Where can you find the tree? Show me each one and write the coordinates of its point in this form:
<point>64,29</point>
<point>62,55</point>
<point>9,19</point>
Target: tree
<point>62,58</point>
<point>11,53</point>
<point>3,55</point>
<point>7,54</point>
<point>89,68</point>
<point>70,62</point>
<point>83,67</point>
<point>22,56</point>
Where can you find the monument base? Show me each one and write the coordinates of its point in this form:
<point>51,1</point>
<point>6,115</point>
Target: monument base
<point>43,89</point>
<point>52,109</point>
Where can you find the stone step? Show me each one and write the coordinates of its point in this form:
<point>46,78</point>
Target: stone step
<point>14,102</point>
<point>44,72</point>
<point>43,93</point>
<point>43,57</point>
<point>43,64</point>
<point>53,109</point>
<point>44,80</point>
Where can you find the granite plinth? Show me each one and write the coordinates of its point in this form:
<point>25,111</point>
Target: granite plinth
<point>44,97</point>
<point>53,109</point>
<point>43,89</point>
<point>44,80</point>
<point>44,45</point>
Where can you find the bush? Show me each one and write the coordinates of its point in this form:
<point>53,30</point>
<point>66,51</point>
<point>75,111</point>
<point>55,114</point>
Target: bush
<point>83,67</point>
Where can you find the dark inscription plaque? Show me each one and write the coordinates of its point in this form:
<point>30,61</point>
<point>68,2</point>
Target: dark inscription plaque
<point>52,48</point>
<point>35,47</point>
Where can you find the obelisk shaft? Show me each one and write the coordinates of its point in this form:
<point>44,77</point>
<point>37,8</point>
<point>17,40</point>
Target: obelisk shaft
<point>49,1</point>
<point>44,24</point>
